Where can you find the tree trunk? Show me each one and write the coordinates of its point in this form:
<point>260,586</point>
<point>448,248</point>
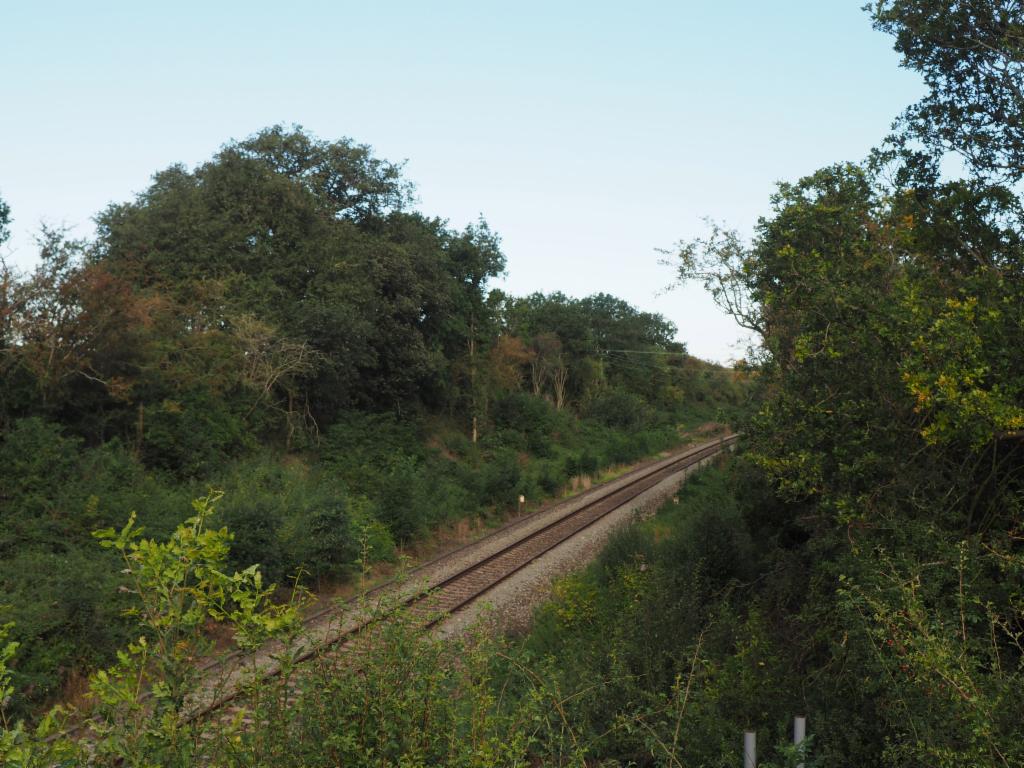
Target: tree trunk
<point>560,379</point>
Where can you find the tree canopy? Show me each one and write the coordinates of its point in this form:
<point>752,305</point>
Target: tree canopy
<point>971,55</point>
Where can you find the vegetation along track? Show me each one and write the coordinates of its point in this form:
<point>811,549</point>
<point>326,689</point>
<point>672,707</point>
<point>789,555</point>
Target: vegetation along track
<point>470,575</point>
<point>435,601</point>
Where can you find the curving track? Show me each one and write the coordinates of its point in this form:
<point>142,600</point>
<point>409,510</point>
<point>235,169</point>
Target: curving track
<point>470,580</point>
<point>453,581</point>
<point>466,585</point>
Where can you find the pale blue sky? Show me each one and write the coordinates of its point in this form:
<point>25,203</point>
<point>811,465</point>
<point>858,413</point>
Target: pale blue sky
<point>587,133</point>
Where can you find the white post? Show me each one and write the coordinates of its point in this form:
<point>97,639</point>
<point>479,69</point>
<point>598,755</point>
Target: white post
<point>749,749</point>
<point>799,733</point>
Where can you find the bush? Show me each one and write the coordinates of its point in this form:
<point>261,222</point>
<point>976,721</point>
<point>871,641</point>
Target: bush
<point>588,463</point>
<point>257,521</point>
<point>403,500</point>
<point>672,576</point>
<point>374,540</point>
<point>37,462</point>
<point>534,418</point>
<point>190,437</point>
<point>67,615</point>
<point>287,518</point>
<point>550,476</point>
<point>504,438</point>
<point>414,699</point>
<point>619,409</point>
<point>54,583</point>
<point>500,478</point>
<point>361,446</point>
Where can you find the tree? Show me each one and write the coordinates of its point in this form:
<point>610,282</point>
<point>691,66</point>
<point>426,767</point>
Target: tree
<point>888,321</point>
<point>5,221</point>
<point>75,329</point>
<point>545,354</point>
<point>506,359</point>
<point>346,177</point>
<point>8,282</point>
<point>313,239</point>
<point>273,367</point>
<point>971,54</point>
<point>580,345</point>
<point>559,380</point>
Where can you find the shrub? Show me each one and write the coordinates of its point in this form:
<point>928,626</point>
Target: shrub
<point>66,613</point>
<point>191,436</point>
<point>588,462</point>
<point>501,476</point>
<point>37,462</point>
<point>533,418</point>
<point>550,476</point>
<point>322,538</point>
<point>361,446</point>
<point>288,519</point>
<point>619,409</point>
<point>414,699</point>
<point>372,537</point>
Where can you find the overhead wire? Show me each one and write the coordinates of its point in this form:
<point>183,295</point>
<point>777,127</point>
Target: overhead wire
<point>620,358</point>
<point>655,352</point>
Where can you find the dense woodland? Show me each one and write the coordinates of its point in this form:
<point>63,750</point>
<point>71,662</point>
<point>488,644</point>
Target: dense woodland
<point>280,324</point>
<point>860,561</point>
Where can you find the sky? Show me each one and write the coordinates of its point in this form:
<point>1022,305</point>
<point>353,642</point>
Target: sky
<point>588,134</point>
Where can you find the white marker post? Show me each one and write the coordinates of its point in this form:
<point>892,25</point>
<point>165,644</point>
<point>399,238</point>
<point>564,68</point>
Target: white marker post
<point>799,733</point>
<point>749,749</point>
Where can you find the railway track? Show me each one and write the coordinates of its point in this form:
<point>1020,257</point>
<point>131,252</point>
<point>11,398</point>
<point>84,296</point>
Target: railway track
<point>462,588</point>
<point>442,598</point>
<point>472,575</point>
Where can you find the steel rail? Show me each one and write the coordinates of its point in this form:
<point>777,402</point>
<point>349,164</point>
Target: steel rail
<point>647,483</point>
<point>647,478</point>
<point>640,481</point>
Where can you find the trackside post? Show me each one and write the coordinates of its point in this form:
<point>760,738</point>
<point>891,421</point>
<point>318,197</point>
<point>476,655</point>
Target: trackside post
<point>749,749</point>
<point>799,733</point>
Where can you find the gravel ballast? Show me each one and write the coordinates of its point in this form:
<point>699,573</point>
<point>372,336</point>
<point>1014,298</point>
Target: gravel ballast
<point>509,605</point>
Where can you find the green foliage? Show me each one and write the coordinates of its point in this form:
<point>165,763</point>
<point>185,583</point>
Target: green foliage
<point>37,458</point>
<point>180,584</point>
<point>5,221</point>
<point>54,587</point>
<point>889,433</point>
<point>413,700</point>
<point>65,609</point>
<point>618,408</point>
<point>289,519</point>
<point>192,436</point>
<point>533,417</point>
<point>312,239</point>
<point>971,55</point>
<point>946,639</point>
<point>861,565</point>
<point>385,460</point>
<point>579,345</point>
<point>705,666</point>
<point>142,702</point>
<point>501,477</point>
<point>21,747</point>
